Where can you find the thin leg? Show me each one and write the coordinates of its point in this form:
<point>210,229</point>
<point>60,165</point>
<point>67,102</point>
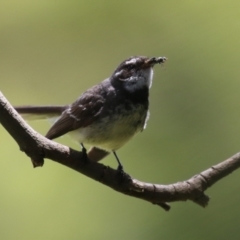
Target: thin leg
<point>84,152</point>
<point>120,166</point>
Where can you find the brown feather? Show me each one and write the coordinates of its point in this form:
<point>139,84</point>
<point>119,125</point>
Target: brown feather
<point>96,154</point>
<point>80,114</point>
<point>40,109</point>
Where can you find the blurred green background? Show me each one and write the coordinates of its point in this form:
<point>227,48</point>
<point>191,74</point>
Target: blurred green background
<point>51,51</point>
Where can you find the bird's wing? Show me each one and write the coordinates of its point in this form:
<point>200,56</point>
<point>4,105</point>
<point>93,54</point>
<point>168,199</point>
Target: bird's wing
<point>80,114</point>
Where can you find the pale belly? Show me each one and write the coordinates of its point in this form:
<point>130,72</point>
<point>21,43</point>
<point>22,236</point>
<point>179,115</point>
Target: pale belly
<point>111,133</point>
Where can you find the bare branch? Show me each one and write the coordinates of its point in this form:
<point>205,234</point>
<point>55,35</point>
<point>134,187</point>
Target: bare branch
<point>38,147</point>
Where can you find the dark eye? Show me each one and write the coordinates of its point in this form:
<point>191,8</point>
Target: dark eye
<point>130,66</point>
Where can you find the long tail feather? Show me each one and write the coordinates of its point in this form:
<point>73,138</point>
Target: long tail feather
<point>40,112</point>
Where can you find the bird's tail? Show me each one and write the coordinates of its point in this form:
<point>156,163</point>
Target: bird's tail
<point>40,112</point>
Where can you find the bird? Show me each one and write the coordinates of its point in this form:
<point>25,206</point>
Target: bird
<point>107,115</point>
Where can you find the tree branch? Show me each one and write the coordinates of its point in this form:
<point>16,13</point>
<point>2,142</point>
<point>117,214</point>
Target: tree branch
<point>38,147</point>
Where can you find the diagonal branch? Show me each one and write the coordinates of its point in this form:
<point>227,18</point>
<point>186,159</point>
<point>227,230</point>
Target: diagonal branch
<point>38,147</point>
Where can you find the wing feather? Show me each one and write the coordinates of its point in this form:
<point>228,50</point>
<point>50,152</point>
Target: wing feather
<point>80,114</point>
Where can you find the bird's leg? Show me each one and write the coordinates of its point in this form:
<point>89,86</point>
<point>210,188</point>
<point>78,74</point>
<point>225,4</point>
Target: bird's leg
<point>121,174</point>
<point>120,166</point>
<point>84,153</point>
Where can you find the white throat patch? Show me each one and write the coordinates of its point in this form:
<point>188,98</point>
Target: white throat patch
<point>138,82</point>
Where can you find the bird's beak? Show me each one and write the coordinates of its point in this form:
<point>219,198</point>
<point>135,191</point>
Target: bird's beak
<point>150,62</point>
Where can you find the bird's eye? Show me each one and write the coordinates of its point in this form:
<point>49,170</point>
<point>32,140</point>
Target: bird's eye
<point>129,66</point>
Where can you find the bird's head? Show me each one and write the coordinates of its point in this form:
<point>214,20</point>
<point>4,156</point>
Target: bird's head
<point>135,73</point>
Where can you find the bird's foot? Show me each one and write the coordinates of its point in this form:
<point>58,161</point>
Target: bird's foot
<point>84,154</point>
<point>120,168</point>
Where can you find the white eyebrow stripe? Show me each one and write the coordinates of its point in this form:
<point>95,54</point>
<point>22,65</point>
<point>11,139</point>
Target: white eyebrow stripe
<point>132,61</point>
<point>118,73</point>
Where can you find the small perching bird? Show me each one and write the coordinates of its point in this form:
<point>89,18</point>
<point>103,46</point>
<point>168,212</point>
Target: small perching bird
<point>109,114</point>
